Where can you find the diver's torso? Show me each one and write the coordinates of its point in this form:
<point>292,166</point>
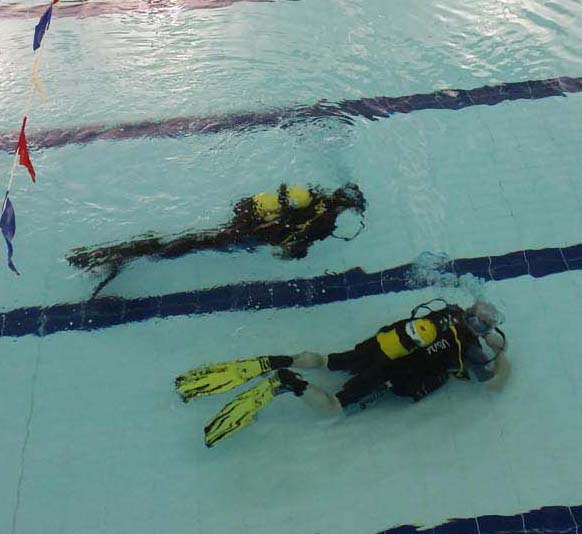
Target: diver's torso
<point>444,353</point>
<point>274,217</point>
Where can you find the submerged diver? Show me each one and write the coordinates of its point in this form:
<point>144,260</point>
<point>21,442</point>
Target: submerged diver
<point>292,218</point>
<point>411,358</point>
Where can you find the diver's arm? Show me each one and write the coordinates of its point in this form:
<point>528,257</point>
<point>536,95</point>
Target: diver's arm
<point>498,344</point>
<point>265,225</point>
<point>296,245</point>
<point>479,362</point>
<point>296,250</point>
<point>305,233</point>
<point>418,387</point>
<point>495,341</point>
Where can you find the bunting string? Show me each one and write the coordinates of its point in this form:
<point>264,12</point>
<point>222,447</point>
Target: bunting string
<point>21,155</point>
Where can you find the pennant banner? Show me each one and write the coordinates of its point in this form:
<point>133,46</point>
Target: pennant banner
<point>8,226</point>
<point>22,151</point>
<point>22,156</point>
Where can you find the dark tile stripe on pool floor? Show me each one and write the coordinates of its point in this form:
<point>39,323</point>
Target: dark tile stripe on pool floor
<point>547,520</point>
<point>344,111</point>
<point>250,296</point>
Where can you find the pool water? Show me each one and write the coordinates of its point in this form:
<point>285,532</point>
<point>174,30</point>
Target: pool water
<point>94,439</point>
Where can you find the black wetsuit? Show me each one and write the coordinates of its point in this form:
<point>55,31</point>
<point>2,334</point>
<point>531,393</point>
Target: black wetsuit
<point>416,375</point>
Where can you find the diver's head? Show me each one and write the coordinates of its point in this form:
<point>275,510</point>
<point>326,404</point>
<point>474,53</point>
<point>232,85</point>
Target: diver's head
<point>482,317</point>
<point>349,197</point>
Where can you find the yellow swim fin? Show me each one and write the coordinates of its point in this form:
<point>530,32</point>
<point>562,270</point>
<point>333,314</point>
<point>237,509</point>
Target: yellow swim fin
<point>242,411</point>
<point>220,377</point>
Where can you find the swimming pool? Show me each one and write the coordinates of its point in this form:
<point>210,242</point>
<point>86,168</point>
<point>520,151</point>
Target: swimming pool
<point>161,118</point>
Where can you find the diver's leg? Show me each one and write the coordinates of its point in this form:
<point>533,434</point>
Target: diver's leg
<point>110,276</point>
<point>243,409</point>
<point>339,361</point>
<point>309,360</point>
<point>221,377</point>
<point>317,399</point>
<point>322,402</point>
<point>358,389</point>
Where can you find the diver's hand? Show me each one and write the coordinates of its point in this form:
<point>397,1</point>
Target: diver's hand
<point>495,341</point>
<point>502,373</point>
<point>281,253</point>
<point>291,251</point>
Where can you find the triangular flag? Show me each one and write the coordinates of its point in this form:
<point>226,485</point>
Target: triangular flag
<point>22,151</point>
<point>8,225</point>
<point>42,27</point>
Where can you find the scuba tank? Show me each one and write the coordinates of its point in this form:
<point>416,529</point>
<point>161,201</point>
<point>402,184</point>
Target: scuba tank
<point>405,336</point>
<point>269,205</point>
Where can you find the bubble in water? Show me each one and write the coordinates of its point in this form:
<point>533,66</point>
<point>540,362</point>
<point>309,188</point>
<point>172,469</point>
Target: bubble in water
<point>436,270</point>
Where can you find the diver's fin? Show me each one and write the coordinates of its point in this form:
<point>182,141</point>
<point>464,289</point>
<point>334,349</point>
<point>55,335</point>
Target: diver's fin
<point>110,276</point>
<point>242,411</point>
<point>220,377</point>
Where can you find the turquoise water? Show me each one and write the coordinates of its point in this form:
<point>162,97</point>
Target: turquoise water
<point>94,440</point>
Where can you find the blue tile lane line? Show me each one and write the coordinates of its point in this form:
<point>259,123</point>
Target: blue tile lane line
<point>353,284</point>
<point>345,111</point>
<point>547,520</point>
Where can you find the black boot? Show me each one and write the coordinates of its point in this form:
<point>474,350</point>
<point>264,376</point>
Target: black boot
<point>291,381</point>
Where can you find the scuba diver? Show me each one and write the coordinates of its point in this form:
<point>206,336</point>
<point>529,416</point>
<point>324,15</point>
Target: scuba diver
<point>291,218</point>
<point>411,358</point>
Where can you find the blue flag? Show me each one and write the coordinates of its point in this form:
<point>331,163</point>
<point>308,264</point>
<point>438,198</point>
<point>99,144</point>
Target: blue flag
<point>8,226</point>
<point>42,27</point>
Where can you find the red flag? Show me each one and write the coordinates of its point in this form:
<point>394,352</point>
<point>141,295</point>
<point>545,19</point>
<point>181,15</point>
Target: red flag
<point>22,151</point>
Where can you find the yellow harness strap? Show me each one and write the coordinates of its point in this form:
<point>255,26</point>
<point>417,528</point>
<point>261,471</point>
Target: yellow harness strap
<point>461,371</point>
<point>319,211</point>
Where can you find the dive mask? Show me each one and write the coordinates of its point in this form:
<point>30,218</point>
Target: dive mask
<point>483,317</point>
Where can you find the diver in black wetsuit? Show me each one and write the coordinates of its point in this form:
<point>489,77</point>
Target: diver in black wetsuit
<point>291,218</point>
<point>416,356</point>
<point>410,358</point>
